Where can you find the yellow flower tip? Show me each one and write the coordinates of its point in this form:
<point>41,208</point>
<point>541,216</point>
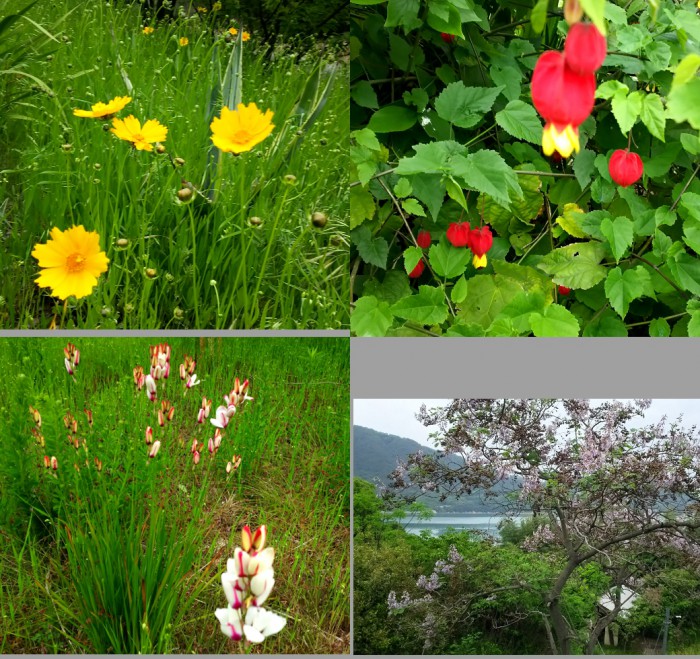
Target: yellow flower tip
<point>233,31</point>
<point>184,41</point>
<point>245,36</point>
<point>70,261</point>
<point>479,261</point>
<point>565,141</point>
<point>141,137</point>
<point>101,110</point>
<point>239,130</point>
<point>216,6</point>
<point>149,30</point>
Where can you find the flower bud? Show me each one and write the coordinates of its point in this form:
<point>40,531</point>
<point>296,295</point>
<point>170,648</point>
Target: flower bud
<point>564,290</point>
<point>290,179</point>
<point>458,234</point>
<point>418,270</point>
<point>179,162</point>
<point>185,194</point>
<point>54,463</point>
<point>573,11</point>
<point>585,48</point>
<point>122,243</point>
<point>154,449</point>
<point>423,239</point>
<point>149,435</point>
<point>447,38</point>
<point>625,167</point>
<point>319,220</point>
<point>151,273</point>
<point>255,221</point>
<point>160,148</point>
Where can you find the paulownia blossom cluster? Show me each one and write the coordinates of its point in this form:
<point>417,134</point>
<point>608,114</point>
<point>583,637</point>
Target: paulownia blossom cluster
<point>247,583</point>
<point>563,87</point>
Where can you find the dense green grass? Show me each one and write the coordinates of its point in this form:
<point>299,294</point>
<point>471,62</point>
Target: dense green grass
<point>128,559</point>
<point>197,265</point>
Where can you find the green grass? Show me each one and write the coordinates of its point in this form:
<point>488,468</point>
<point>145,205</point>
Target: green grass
<point>128,559</point>
<point>201,264</point>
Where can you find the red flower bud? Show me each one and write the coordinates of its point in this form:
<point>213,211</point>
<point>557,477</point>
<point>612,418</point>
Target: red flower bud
<point>585,48</point>
<point>480,240</point>
<point>423,239</point>
<point>418,270</point>
<point>448,38</point>
<point>625,167</point>
<point>560,95</point>
<point>564,290</point>
<point>458,234</point>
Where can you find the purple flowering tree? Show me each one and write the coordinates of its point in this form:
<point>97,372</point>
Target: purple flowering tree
<point>607,486</point>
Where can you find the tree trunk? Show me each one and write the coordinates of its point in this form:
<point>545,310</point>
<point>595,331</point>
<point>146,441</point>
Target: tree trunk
<point>561,626</point>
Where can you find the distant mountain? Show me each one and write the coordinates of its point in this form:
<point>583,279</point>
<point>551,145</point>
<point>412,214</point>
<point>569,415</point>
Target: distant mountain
<point>376,455</point>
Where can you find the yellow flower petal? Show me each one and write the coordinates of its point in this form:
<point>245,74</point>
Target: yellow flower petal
<point>240,130</point>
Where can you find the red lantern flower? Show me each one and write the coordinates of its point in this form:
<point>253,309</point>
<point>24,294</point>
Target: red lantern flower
<point>448,38</point>
<point>423,239</point>
<point>418,270</point>
<point>585,48</point>
<point>480,242</point>
<point>458,234</point>
<point>559,94</point>
<point>625,167</point>
<point>564,290</point>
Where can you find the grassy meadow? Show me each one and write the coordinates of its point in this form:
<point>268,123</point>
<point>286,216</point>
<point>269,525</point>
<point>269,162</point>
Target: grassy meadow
<point>195,237</point>
<point>108,550</point>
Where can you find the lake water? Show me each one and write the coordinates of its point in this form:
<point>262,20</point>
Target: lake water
<point>466,522</point>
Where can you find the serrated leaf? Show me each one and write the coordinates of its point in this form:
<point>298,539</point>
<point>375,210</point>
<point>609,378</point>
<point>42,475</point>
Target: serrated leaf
<point>411,257</point>
<point>427,307</point>
<point>530,279</point>
<point>361,206</point>
<point>464,106</point>
<point>659,327</point>
<point>691,143</point>
<point>584,167</point>
<point>366,138</point>
<point>392,119</point>
<point>538,16</point>
<point>619,233</point>
<point>626,109</point>
<point>652,115</point>
<point>448,261</point>
<point>683,103</point>
<point>454,191</point>
<point>403,12</point>
<point>521,307</point>
<point>570,220</point>
<point>554,321</point>
<point>595,10</point>
<point>412,207</point>
<point>486,171</point>
<point>372,250</point>
<point>694,324</point>
<point>431,158</point>
<point>394,286</point>
<point>576,266</point>
<point>486,297</point>
<point>623,287</point>
<point>686,271</point>
<point>465,329</point>
<point>520,120</point>
<point>371,317</point>
<point>610,88</point>
<point>607,324</point>
<point>402,188</point>
<point>686,70</point>
<point>444,17</point>
<point>459,290</point>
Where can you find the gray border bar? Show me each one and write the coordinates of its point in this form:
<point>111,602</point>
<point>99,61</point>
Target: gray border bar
<point>524,368</point>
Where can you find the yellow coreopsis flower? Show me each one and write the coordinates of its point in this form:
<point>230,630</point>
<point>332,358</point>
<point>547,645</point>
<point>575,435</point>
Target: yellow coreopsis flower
<point>71,262</point>
<point>202,10</point>
<point>149,30</point>
<point>142,137</point>
<point>184,41</point>
<point>100,110</point>
<point>245,36</point>
<point>239,130</point>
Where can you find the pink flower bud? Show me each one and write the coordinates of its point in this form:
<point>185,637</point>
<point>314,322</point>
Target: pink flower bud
<point>196,457</point>
<point>161,418</point>
<point>54,463</point>
<point>246,539</point>
<point>183,372</point>
<point>154,449</point>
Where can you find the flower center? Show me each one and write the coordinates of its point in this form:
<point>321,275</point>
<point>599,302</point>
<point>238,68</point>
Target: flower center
<point>138,138</point>
<point>241,136</point>
<point>75,263</point>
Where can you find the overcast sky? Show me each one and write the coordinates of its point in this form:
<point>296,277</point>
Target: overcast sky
<point>398,417</point>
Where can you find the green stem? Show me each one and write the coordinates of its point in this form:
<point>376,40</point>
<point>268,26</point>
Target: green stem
<point>194,266</point>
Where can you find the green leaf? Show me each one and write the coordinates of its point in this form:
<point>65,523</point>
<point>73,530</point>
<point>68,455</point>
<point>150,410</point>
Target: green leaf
<point>652,115</point>
<point>623,287</point>
<point>459,290</point>
<point>366,138</point>
<point>521,307</point>
<point>616,15</point>
<point>371,317</point>
<point>595,10</point>
<point>393,287</point>
<point>555,321</point>
<point>372,250</point>
<point>486,171</point>
<point>465,106</point>
<point>487,295</point>
<point>402,188</point>
<point>576,266</point>
<point>455,192</point>
<point>683,103</point>
<point>626,109</point>
<point>662,160</point>
<point>400,52</point>
<point>530,279</point>
<point>510,78</point>
<point>465,329</point>
<point>418,97</point>
<point>694,324</point>
<point>584,167</point>
<point>619,233</point>
<point>691,143</point>
<point>659,327</point>
<point>686,70</point>
<point>367,2</point>
<point>570,220</point>
<point>686,271</point>
<point>411,257</point>
<point>364,95</point>
<point>444,17</point>
<point>392,119</point>
<point>361,206</point>
<point>427,307</point>
<point>538,17</point>
<point>607,324</point>
<point>412,207</point>
<point>403,12</point>
<point>520,120</point>
<point>430,189</point>
<point>610,88</point>
<point>448,261</point>
<point>431,158</point>
<point>631,39</point>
